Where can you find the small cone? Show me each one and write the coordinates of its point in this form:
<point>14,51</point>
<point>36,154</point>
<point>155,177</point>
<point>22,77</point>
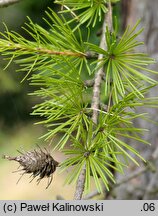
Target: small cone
<point>37,162</point>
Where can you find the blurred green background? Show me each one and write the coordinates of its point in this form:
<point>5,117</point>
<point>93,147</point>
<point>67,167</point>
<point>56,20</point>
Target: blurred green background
<point>17,129</point>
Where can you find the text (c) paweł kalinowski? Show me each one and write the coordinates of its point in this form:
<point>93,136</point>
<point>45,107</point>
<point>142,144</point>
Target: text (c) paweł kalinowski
<point>61,207</point>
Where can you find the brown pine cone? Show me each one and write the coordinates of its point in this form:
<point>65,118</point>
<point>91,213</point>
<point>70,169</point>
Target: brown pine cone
<point>38,162</point>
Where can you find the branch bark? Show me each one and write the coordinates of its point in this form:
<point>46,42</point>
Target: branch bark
<point>100,73</point>
<point>96,95</point>
<point>80,184</point>
<point>98,77</point>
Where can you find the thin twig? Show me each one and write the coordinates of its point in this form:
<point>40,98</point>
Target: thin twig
<point>80,184</point>
<point>41,50</point>
<point>95,102</point>
<point>100,73</point>
<point>98,77</point>
<point>109,17</point>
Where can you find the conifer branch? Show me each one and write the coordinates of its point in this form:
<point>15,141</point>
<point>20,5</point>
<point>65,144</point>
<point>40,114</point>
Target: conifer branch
<point>100,73</point>
<point>66,53</point>
<point>59,58</point>
<point>32,48</point>
<point>40,50</point>
<point>96,96</point>
<point>98,77</point>
<point>109,17</point>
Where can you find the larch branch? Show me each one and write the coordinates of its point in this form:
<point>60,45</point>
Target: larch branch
<point>95,105</point>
